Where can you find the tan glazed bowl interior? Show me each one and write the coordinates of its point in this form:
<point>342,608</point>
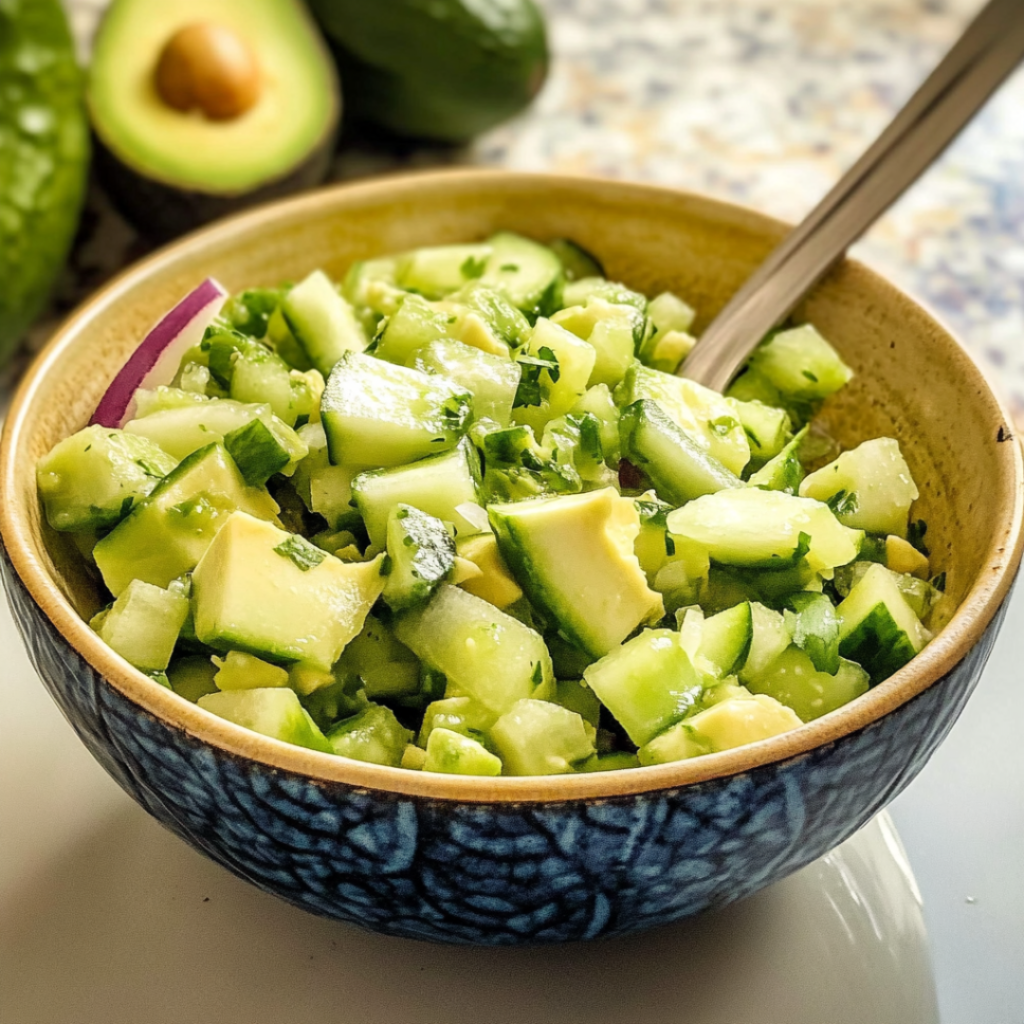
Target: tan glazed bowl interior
<point>913,382</point>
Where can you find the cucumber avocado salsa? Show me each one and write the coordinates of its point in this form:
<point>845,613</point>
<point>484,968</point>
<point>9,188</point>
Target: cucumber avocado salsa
<point>457,514</point>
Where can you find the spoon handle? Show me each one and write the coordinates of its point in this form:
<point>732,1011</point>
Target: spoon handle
<point>985,54</point>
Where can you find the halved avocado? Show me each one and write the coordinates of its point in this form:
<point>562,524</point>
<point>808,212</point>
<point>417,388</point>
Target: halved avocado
<point>201,107</point>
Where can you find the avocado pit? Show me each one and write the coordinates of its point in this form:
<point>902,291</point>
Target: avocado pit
<point>210,67</point>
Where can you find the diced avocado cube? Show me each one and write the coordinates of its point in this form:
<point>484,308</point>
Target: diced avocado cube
<point>573,556</point>
<point>273,594</point>
<point>454,754</point>
<point>377,414</point>
<point>793,680</point>
<point>166,534</point>
<point>731,723</point>
<point>258,454</point>
<point>386,667</point>
<point>274,712</point>
<point>92,479</point>
<point>535,737</point>
<point>647,684</point>
<point>458,714</point>
<point>869,488</point>
<point>192,677</point>
<point>374,735</point>
<point>485,653</point>
<point>241,671</point>
<point>757,529</point>
<point>901,556</point>
<point>878,629</point>
<point>491,380</point>
<point>612,330</point>
<point>679,468</point>
<point>143,624</point>
<point>439,486</point>
<point>421,556</point>
<point>801,364</point>
<point>322,321</point>
<point>495,583</point>
<point>703,414</point>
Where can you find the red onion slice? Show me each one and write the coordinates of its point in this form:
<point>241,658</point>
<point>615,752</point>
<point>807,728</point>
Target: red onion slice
<point>158,357</point>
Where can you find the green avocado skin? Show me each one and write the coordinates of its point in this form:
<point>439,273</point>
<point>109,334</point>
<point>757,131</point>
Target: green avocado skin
<point>44,158</point>
<point>437,69</point>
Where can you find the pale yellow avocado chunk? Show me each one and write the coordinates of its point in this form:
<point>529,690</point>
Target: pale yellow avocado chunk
<point>251,594</point>
<point>573,556</point>
<point>492,582</point>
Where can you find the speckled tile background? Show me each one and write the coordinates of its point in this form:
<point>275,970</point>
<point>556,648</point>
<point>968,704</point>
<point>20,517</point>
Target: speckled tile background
<point>765,103</point>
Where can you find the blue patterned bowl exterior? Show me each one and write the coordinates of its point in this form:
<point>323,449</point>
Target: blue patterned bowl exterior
<point>496,873</point>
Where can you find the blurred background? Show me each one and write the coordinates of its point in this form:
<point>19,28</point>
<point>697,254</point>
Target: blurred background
<point>763,102</point>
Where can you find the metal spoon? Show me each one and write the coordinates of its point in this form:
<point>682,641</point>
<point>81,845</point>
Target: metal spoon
<point>985,54</point>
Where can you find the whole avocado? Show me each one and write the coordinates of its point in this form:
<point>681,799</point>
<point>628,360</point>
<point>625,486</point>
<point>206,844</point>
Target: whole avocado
<point>44,157</point>
<point>437,69</point>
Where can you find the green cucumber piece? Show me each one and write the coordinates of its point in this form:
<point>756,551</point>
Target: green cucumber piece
<point>647,684</point>
<point>491,380</point>
<point>485,653</point>
<point>794,680</point>
<point>878,629</point>
<point>785,471</point>
<point>816,630</point>
<point>452,753</point>
<point>324,324</point>
<point>529,274</point>
<point>439,486</point>
<point>869,488</point>
<point>573,556</point>
<point>241,671</point>
<point>678,466</point>
<point>599,403</point>
<point>166,534</point>
<point>414,325</point>
<point>770,637</point>
<point>374,735</point>
<point>575,695</point>
<point>274,712</point>
<point>385,667</point>
<point>249,564</point>
<point>725,639</point>
<point>768,428</point>
<point>507,328</point>
<point>258,454</point>
<point>437,271</point>
<point>370,284</point>
<point>576,261</point>
<point>576,293</point>
<point>535,737</point>
<point>377,414</point>
<point>92,479</point>
<point>801,364</point>
<point>192,677</point>
<point>250,371</point>
<point>611,330</point>
<point>463,715</point>
<point>143,624</point>
<point>612,762</point>
<point>421,556</point>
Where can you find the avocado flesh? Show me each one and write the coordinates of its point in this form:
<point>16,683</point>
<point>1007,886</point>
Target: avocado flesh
<point>44,158</point>
<point>169,170</point>
<point>445,70</point>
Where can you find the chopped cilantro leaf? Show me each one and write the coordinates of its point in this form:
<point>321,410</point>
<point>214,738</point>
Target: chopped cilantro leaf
<point>810,376</point>
<point>304,555</point>
<point>473,267</point>
<point>843,503</point>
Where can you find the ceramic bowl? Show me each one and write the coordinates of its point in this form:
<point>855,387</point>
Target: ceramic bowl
<point>520,860</point>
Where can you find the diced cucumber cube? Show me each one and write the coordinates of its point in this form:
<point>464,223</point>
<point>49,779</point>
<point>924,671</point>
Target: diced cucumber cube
<point>274,712</point>
<point>528,273</point>
<point>535,737</point>
<point>575,695</point>
<point>768,429</point>
<point>439,486</point>
<point>386,667</point>
<point>765,530</point>
<point>599,403</point>
<point>504,327</point>
<point>258,454</point>
<point>436,271</point>
<point>785,471</point>
<point>376,414</point>
<point>794,681</point>
<point>679,467</point>
<point>612,762</point>
<point>413,758</point>
<point>241,671</point>
<point>414,325</point>
<point>647,684</point>
<point>421,553</point>
<point>578,292</point>
<point>371,284</point>
<point>463,715</point>
<point>237,590</point>
<point>703,414</point>
<point>725,639</point>
<point>576,261</point>
<point>878,629</point>
<point>573,556</point>
<point>192,677</point>
<point>322,321</point>
<point>167,533</point>
<point>495,583</point>
<point>485,653</point>
<point>373,735</point>
<point>491,380</point>
<point>250,371</point>
<point>869,488</point>
<point>613,331</point>
<point>454,754</point>
<point>92,479</point>
<point>816,630</point>
<point>728,724</point>
<point>667,312</point>
<point>323,487</point>
<point>143,624</point>
<point>801,364</point>
<point>545,391</point>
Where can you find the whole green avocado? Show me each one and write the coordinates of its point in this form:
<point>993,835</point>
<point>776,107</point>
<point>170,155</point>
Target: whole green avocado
<point>44,157</point>
<point>437,69</point>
